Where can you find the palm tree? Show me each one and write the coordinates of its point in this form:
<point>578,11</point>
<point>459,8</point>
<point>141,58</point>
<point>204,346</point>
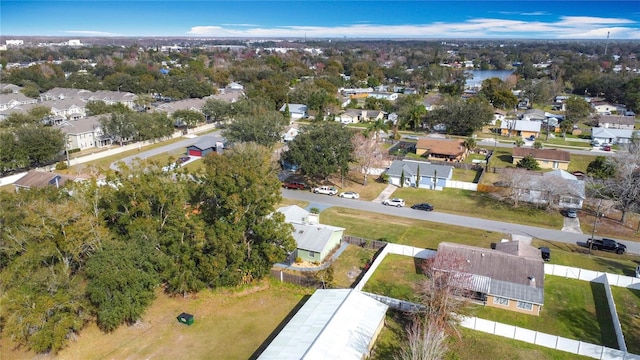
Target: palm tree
<point>377,126</point>
<point>470,143</point>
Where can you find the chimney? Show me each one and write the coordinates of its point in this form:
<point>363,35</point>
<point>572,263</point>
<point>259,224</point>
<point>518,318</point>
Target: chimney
<point>532,281</point>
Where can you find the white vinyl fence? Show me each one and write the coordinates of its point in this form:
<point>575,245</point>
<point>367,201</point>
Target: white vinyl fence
<point>464,185</point>
<point>547,340</point>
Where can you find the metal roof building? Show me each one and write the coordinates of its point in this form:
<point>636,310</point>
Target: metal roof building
<point>336,324</point>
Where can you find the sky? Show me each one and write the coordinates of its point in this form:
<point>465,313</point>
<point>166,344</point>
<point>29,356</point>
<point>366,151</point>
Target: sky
<point>419,19</point>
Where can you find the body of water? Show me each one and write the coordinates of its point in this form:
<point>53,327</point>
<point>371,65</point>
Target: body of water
<point>478,76</point>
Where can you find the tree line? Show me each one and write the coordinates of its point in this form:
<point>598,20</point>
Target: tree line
<point>98,253</point>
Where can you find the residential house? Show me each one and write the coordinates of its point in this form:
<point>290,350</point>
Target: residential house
<point>617,122</point>
<point>419,174</point>
<point>314,241</point>
<point>227,96</point>
<point>40,179</point>
<point>603,107</point>
<point>296,111</point>
<point>432,101</point>
<point>206,145</point>
<point>114,97</point>
<point>546,158</point>
<point>556,188</point>
<point>234,86</point>
<point>290,133</point>
<point>353,116</point>
<point>67,109</point>
<point>441,149</point>
<point>355,91</point>
<point>383,95</point>
<point>511,277</point>
<point>498,115</point>
<point>520,128</point>
<point>20,109</point>
<point>58,93</point>
<point>84,133</point>
<point>340,324</point>
<point>612,136</point>
<point>186,104</point>
<point>534,115</point>
<point>11,100</point>
<point>10,88</point>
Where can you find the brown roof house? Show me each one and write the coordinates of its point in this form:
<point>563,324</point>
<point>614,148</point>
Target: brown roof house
<point>442,149</point>
<point>40,179</point>
<point>546,158</point>
<point>509,277</point>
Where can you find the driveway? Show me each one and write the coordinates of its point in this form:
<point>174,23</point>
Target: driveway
<point>458,220</point>
<point>572,225</point>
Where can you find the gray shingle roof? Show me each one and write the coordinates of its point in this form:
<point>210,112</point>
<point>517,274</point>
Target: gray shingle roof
<point>313,237</point>
<point>426,169</point>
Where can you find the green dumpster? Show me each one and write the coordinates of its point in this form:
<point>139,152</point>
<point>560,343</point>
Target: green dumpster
<point>186,319</point>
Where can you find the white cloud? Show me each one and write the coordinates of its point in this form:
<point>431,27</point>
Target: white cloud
<point>569,27</point>
<point>242,25</point>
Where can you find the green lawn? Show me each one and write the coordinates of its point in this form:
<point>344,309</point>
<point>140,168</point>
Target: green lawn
<point>577,256</point>
<point>471,345</point>
<point>481,205</point>
<point>574,309</point>
<point>628,307</point>
<point>501,158</point>
<point>396,277</point>
<point>580,162</point>
<point>465,175</point>
<point>349,265</point>
<point>418,233</point>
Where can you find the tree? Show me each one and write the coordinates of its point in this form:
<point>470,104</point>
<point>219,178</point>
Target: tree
<point>601,168</point>
<point>577,110</point>
<point>528,162</point>
<point>519,142</point>
<point>322,149</point>
<point>189,118</point>
<point>470,143</point>
<point>265,130</point>
<point>461,117</point>
<point>367,152</point>
<point>376,127</point>
<point>537,144</point>
<point>118,127</point>
<point>238,192</point>
<point>41,144</point>
<point>217,110</point>
<point>498,93</point>
<point>624,187</point>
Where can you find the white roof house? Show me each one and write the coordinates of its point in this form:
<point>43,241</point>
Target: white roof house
<point>612,136</point>
<point>297,111</point>
<point>521,125</point>
<point>339,324</point>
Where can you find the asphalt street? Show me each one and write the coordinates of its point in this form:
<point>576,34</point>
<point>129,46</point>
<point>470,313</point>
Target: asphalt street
<point>325,201</point>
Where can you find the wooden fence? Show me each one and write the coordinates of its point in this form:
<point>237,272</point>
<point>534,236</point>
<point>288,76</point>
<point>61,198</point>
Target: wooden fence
<point>364,243</point>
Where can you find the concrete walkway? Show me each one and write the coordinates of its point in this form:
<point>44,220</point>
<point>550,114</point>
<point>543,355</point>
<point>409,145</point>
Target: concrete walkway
<point>385,194</point>
<point>572,225</point>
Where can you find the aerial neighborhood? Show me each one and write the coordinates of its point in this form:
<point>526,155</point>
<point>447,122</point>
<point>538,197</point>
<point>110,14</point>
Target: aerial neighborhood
<point>316,199</point>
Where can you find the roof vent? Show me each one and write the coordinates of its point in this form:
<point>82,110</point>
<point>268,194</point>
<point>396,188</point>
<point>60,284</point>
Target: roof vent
<point>532,281</point>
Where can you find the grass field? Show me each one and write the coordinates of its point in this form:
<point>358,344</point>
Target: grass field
<point>471,345</point>
<point>229,324</point>
<point>396,277</point>
<point>350,265</point>
<point>628,308</point>
<point>573,309</point>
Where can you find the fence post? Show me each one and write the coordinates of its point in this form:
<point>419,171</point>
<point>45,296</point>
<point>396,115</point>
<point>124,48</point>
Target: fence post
<point>281,277</point>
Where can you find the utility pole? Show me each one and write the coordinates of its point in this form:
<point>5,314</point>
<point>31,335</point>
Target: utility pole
<point>606,45</point>
<point>66,149</point>
<point>595,223</point>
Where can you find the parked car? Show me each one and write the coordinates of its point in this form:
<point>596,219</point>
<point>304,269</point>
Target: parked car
<point>183,159</point>
<point>350,195</point>
<point>394,202</point>
<point>607,245</point>
<point>411,137</point>
<point>531,138</point>
<point>294,185</point>
<point>606,148</point>
<point>572,213</point>
<point>422,206</point>
<point>545,253</point>
<point>327,190</point>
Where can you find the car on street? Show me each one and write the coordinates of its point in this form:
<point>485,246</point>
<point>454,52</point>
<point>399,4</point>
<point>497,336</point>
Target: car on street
<point>422,206</point>
<point>349,195</point>
<point>411,137</point>
<point>572,213</point>
<point>327,190</point>
<point>294,185</point>
<point>607,245</point>
<point>397,202</point>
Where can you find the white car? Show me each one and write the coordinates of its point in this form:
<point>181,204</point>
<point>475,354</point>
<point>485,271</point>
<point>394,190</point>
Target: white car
<point>350,195</point>
<point>327,190</point>
<point>394,202</point>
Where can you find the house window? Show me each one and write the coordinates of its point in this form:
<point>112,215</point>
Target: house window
<point>500,301</point>
<point>312,254</point>
<point>524,305</point>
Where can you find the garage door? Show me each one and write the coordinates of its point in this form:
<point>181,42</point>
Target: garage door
<point>195,153</point>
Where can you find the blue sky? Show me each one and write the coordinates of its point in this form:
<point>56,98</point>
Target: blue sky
<point>323,18</point>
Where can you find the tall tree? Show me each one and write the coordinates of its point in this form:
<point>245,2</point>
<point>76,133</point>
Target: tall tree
<point>322,149</point>
<point>266,129</point>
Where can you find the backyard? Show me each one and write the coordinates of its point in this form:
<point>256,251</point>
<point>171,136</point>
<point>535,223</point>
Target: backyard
<point>234,322</point>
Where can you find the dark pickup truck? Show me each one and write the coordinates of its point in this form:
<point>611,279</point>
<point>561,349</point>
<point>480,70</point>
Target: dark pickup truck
<point>607,245</point>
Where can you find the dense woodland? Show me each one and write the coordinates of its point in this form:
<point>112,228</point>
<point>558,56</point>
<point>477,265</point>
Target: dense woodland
<point>97,253</point>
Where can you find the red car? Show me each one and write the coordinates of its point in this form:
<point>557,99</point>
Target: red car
<point>606,148</point>
<point>295,185</point>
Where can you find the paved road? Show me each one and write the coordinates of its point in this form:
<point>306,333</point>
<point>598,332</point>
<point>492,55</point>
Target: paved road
<point>324,201</point>
<point>167,148</point>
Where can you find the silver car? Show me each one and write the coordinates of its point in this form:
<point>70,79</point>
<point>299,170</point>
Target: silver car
<point>394,202</point>
<point>350,195</point>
